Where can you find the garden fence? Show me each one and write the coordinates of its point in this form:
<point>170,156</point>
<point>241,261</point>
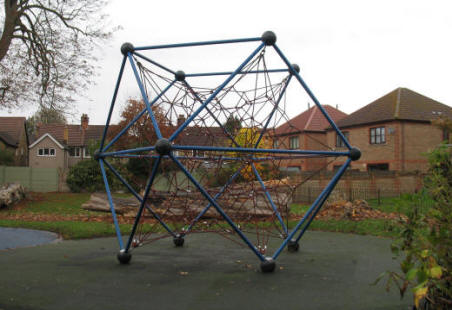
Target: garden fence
<point>33,179</point>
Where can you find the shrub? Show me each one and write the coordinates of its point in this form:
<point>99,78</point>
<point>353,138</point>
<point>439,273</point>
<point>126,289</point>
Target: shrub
<point>6,157</point>
<point>425,242</point>
<point>86,176</point>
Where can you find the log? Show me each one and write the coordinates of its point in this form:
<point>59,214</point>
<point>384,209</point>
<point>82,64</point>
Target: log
<point>11,194</point>
<point>238,202</point>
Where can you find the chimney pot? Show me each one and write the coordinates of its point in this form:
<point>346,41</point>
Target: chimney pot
<point>84,121</point>
<point>180,119</point>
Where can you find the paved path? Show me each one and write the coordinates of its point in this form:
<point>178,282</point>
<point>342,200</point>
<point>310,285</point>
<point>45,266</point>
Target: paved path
<point>11,238</point>
<point>331,271</point>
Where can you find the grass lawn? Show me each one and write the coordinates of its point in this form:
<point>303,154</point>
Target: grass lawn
<point>61,213</point>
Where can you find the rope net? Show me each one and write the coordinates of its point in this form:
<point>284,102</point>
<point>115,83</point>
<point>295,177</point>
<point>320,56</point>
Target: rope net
<point>223,150</point>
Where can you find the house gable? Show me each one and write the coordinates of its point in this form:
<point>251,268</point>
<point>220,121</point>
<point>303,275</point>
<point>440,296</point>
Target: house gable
<point>47,135</point>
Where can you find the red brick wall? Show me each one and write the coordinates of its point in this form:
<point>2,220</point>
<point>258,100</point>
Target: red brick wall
<point>406,142</point>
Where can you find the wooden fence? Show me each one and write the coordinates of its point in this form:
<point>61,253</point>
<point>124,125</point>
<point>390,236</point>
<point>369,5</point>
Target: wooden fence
<point>33,179</point>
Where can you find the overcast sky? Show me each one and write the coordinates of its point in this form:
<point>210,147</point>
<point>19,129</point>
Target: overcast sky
<point>350,52</point>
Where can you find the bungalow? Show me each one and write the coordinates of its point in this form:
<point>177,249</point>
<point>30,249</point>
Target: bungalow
<point>61,145</point>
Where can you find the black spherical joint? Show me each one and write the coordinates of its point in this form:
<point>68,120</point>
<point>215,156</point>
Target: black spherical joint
<point>96,155</point>
<point>296,68</point>
<point>179,76</point>
<point>178,240</point>
<point>163,146</point>
<point>293,246</point>
<point>268,265</point>
<point>127,48</point>
<point>355,154</point>
<point>269,38</point>
<point>124,257</point>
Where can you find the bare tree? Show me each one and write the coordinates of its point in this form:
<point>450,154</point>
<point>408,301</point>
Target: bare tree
<point>46,50</point>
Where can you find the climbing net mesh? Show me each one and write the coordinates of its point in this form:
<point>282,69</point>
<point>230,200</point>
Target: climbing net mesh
<point>224,149</point>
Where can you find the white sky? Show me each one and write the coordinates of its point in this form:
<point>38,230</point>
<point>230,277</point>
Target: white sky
<point>350,52</point>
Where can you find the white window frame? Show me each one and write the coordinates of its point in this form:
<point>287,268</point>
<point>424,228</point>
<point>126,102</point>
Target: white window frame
<point>85,154</point>
<point>49,152</point>
<point>377,135</point>
<point>75,148</point>
<point>292,144</point>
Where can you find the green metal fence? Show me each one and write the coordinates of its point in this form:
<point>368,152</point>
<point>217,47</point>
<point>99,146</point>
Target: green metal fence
<point>33,179</point>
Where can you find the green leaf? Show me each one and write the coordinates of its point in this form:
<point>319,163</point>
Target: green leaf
<point>411,274</point>
<point>436,272</point>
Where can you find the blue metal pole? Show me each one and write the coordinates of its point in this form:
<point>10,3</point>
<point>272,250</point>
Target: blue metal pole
<point>231,179</point>
<point>326,191</point>
<point>218,208</point>
<point>201,74</point>
<point>155,215</point>
<point>112,207</point>
<point>143,202</point>
<point>269,198</point>
<point>212,96</point>
<point>153,47</point>
<point>283,91</point>
<point>113,100</point>
<point>154,63</point>
<point>311,94</point>
<point>145,98</point>
<point>137,117</point>
<point>253,150</point>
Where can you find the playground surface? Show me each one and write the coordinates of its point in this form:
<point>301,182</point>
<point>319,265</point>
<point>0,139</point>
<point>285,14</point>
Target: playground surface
<point>331,271</point>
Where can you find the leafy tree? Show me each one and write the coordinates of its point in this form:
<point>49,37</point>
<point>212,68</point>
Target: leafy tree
<point>142,132</point>
<point>233,125</point>
<point>46,50</point>
<point>6,157</point>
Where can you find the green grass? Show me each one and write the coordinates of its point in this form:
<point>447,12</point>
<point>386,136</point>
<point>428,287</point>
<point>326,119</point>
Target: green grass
<point>403,204</point>
<point>70,204</point>
<point>54,203</point>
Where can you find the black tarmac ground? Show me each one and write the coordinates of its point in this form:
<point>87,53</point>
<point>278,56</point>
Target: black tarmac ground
<point>330,271</point>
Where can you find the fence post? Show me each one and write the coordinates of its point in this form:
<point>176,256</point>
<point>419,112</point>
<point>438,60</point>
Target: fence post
<point>30,179</point>
<point>378,196</point>
<point>309,194</point>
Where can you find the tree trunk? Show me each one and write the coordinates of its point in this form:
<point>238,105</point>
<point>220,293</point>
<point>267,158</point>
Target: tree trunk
<point>11,15</point>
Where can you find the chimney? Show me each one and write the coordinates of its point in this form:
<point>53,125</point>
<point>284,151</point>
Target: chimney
<point>180,120</point>
<point>84,122</point>
<point>66,134</point>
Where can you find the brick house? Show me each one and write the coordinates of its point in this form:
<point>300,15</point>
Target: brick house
<point>14,138</point>
<point>393,132</point>
<point>61,145</point>
<point>306,131</point>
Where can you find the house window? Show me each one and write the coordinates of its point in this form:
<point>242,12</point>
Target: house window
<point>275,144</point>
<point>293,169</point>
<point>339,142</point>
<point>293,143</point>
<point>74,151</point>
<point>46,152</point>
<point>377,167</point>
<point>86,153</point>
<point>446,134</point>
<point>377,135</point>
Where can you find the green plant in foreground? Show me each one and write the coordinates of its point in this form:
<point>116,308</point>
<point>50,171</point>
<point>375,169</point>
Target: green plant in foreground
<point>425,242</point>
